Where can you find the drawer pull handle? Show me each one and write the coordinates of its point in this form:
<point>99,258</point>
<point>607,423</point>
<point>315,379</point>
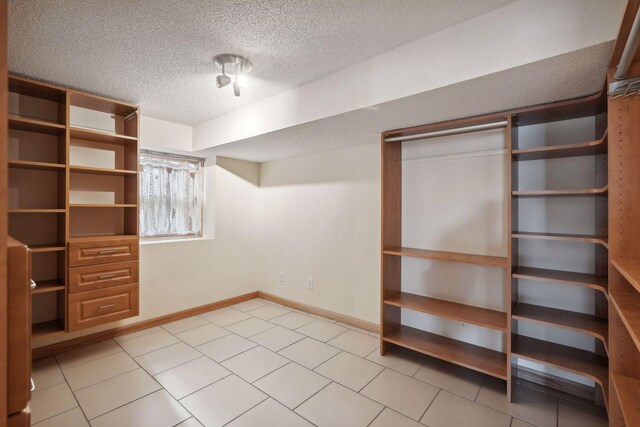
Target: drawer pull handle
<point>106,276</point>
<point>107,252</point>
<point>105,307</point>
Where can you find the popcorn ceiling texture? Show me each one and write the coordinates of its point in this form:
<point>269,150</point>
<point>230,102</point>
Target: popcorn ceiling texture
<point>572,75</point>
<point>157,53</point>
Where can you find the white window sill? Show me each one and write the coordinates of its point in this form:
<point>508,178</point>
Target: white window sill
<point>162,241</point>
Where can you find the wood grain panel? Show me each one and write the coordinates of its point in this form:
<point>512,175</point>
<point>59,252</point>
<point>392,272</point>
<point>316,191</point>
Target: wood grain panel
<point>102,276</point>
<point>92,308</point>
<point>91,252</point>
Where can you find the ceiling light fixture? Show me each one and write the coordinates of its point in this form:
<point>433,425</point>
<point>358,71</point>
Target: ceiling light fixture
<point>241,66</point>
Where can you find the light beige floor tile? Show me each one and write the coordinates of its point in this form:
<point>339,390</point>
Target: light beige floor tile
<point>321,330</point>
<point>81,376</point>
<point>519,423</point>
<point>167,358</point>
<point>46,375</point>
<point>202,334</point>
<point>270,414</point>
<point>51,401</point>
<point>389,418</point>
<point>349,370</point>
<point>451,410</point>
<point>72,418</point>
<point>249,305</point>
<point>147,343</point>
<point>184,324</point>
<point>309,352</point>
<point>528,405</point>
<point>103,397</point>
<point>353,328</point>
<point>571,415</point>
<point>337,406</point>
<point>268,311</point>
<point>254,363</point>
<point>42,361</point>
<point>277,338</point>
<point>326,319</point>
<point>250,327</point>
<point>401,393</point>
<point>191,422</point>
<point>192,376</point>
<point>455,379</point>
<point>87,353</point>
<point>292,320</point>
<point>355,342</point>
<point>226,347</point>
<point>223,401</point>
<point>158,409</point>
<point>292,384</point>
<point>226,317</point>
<point>137,334</point>
<point>399,359</point>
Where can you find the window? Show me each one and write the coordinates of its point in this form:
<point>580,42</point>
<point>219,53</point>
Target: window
<point>170,195</point>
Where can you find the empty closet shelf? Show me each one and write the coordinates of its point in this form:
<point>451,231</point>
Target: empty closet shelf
<point>599,283</point>
<point>101,136</point>
<point>451,310</point>
<point>27,164</point>
<point>630,269</point>
<point>627,390</point>
<point>590,148</point>
<point>570,359</point>
<point>626,304</point>
<point>101,171</point>
<point>35,125</point>
<point>44,286</point>
<point>489,261</point>
<point>564,319</point>
<point>584,238</point>
<point>102,205</point>
<point>471,356</point>
<point>556,193</point>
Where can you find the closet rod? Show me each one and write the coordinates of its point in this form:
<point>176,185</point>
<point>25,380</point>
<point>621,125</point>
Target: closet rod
<point>629,49</point>
<point>447,132</point>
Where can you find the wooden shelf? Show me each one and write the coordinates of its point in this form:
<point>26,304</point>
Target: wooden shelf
<point>20,210</point>
<point>490,261</point>
<point>555,193</point>
<point>599,146</point>
<point>101,171</point>
<point>48,286</point>
<point>566,358</point>
<point>627,304</point>
<point>630,269</point>
<point>627,389</point>
<point>102,205</point>
<point>46,248</point>
<point>471,356</point>
<point>47,328</point>
<point>600,240</point>
<point>27,164</point>
<point>28,87</point>
<point>94,237</point>
<point>599,283</point>
<point>99,103</point>
<point>34,125</point>
<point>451,310</point>
<point>570,320</point>
<point>101,136</point>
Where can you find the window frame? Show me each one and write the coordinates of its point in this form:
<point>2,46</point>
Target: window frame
<point>169,156</point>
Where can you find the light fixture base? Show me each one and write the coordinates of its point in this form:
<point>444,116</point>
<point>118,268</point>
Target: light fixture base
<point>240,63</point>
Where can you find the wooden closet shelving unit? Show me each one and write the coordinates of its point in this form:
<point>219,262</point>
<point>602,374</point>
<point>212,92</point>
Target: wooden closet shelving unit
<point>62,232</point>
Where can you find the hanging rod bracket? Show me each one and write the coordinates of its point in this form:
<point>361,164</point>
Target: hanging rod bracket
<point>624,88</point>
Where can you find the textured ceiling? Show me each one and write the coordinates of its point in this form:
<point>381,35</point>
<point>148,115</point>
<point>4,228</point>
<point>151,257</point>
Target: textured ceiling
<point>567,76</point>
<point>157,53</point>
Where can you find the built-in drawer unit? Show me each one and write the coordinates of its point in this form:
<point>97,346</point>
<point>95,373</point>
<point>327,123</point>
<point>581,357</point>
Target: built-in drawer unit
<point>93,308</point>
<point>101,276</point>
<point>102,251</point>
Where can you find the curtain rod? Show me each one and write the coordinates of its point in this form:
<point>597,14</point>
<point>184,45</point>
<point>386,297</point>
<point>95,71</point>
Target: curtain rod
<point>629,49</point>
<point>176,156</point>
<point>447,132</point>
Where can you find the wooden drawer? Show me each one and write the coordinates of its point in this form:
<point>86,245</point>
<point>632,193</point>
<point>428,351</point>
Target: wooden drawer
<point>92,308</point>
<point>102,276</point>
<point>91,252</point>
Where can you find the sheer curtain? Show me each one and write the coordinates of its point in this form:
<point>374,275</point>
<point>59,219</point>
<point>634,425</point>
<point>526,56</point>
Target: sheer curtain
<point>170,196</point>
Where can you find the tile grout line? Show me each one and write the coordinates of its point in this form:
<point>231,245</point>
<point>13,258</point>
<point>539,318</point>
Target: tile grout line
<point>429,405</point>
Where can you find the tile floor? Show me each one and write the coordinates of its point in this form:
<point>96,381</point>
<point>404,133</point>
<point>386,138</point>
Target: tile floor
<point>261,364</point>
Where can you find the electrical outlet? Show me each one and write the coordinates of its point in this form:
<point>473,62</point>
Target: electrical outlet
<point>281,278</point>
<point>310,283</point>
